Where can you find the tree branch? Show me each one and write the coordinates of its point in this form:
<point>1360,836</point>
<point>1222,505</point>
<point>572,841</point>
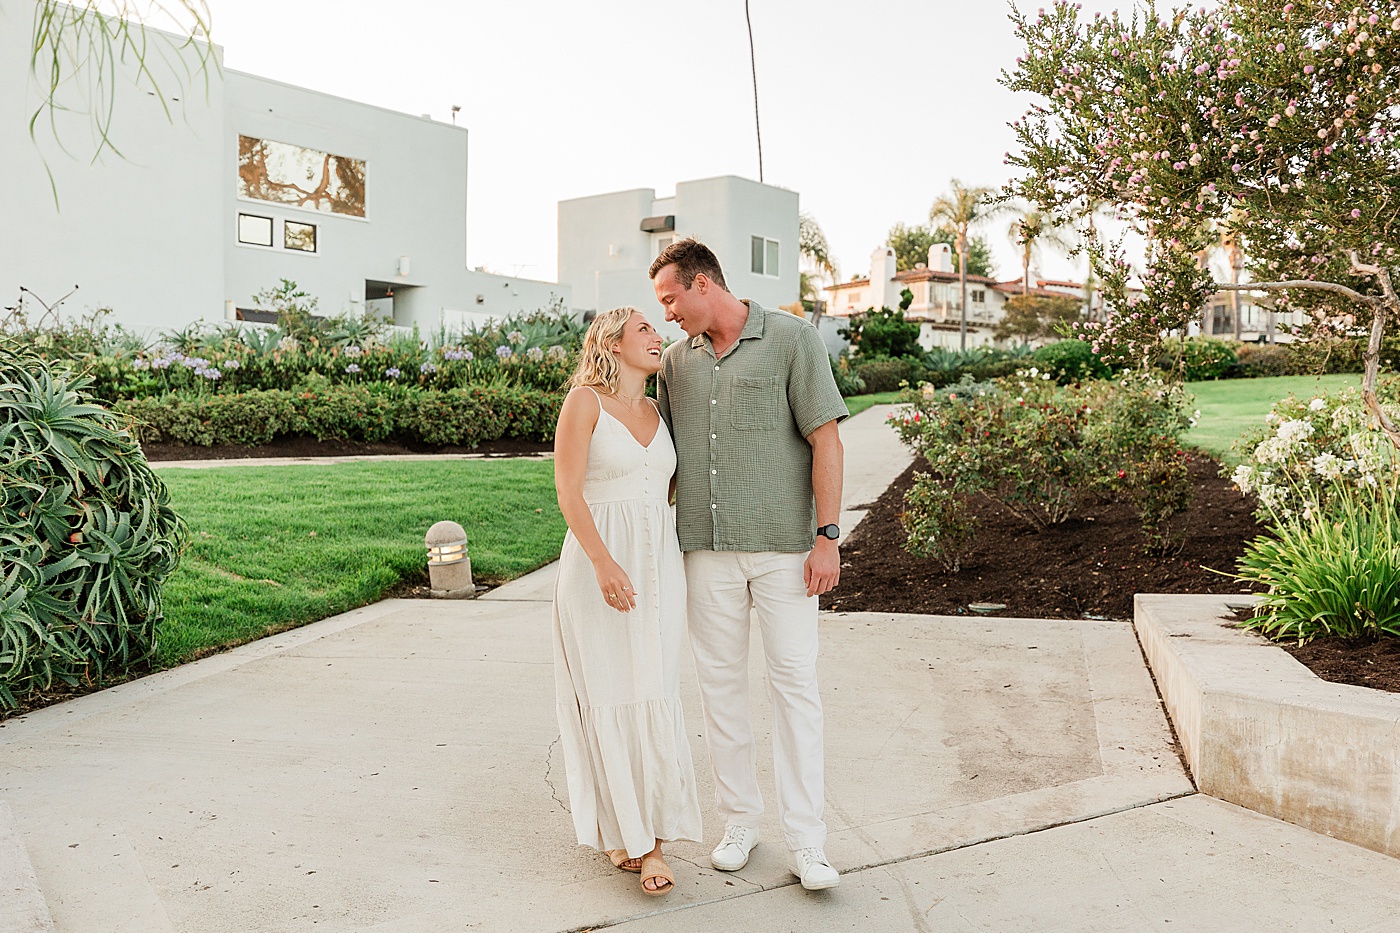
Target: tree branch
<point>1301,283</point>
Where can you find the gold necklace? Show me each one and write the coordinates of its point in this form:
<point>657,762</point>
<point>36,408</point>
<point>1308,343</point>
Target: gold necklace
<point>629,400</point>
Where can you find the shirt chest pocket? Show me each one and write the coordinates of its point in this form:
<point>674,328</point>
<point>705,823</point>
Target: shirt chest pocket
<point>756,403</point>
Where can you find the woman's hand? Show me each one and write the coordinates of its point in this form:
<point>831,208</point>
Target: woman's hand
<point>616,587</point>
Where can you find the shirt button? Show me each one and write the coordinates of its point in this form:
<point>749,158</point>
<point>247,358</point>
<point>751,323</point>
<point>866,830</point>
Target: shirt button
<point>713,436</point>
<point>714,401</point>
<point>716,367</point>
<point>714,472</point>
<point>713,506</point>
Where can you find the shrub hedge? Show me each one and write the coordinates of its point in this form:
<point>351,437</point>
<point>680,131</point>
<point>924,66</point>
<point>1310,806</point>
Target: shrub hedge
<point>462,416</point>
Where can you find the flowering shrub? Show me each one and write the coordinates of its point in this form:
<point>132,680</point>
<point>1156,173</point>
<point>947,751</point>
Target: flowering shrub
<point>1038,449</point>
<point>1311,449</point>
<point>1331,573</point>
<point>532,350</point>
<point>1328,485</point>
<point>937,523</point>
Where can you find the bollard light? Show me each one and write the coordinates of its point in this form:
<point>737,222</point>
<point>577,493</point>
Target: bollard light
<point>449,565</point>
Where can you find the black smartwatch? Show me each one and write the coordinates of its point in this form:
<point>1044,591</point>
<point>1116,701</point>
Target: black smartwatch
<point>829,531</point>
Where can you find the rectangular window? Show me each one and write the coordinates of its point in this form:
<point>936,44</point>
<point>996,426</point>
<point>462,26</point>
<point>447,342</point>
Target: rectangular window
<point>662,242</point>
<point>763,256</point>
<point>979,295</point>
<point>282,173</point>
<point>254,230</point>
<point>299,236</point>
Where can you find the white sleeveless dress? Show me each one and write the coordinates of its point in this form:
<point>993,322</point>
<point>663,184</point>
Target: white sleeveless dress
<point>617,675</point>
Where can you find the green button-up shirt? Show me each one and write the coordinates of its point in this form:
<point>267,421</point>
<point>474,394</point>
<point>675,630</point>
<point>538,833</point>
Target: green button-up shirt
<point>740,422</point>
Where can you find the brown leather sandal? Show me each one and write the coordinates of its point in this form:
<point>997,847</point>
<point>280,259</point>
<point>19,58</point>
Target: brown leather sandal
<point>653,867</point>
<point>620,858</point>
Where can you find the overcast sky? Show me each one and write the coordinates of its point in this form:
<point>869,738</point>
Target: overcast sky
<point>868,107</point>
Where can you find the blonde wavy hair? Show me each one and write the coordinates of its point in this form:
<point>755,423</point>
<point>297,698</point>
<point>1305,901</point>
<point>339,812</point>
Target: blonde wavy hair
<point>597,366</point>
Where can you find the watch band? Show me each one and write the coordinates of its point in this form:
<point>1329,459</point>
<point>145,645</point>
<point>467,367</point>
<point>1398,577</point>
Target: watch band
<point>829,531</point>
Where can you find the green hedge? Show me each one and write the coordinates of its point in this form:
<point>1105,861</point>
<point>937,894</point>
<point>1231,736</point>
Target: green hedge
<point>462,417</point>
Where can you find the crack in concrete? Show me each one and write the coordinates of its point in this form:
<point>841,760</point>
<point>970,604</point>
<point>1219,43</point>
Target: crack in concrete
<point>920,917</point>
<point>548,768</point>
<point>716,871</point>
<point>885,865</point>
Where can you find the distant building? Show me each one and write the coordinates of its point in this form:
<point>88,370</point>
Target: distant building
<point>1259,322</point>
<point>248,183</point>
<point>607,242</point>
<point>937,298</point>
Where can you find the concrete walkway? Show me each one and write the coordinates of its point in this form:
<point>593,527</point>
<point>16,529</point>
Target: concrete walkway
<point>396,769</point>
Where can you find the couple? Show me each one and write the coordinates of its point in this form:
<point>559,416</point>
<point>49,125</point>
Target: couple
<point>755,466</point>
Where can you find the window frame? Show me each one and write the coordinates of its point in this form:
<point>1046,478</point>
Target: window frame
<point>271,231</point>
<point>759,249</point>
<point>315,249</point>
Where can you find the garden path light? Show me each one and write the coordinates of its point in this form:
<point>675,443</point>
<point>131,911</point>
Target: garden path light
<point>449,565</point>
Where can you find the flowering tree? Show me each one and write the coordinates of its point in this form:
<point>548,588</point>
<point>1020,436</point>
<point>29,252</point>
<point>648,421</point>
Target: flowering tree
<point>1275,122</point>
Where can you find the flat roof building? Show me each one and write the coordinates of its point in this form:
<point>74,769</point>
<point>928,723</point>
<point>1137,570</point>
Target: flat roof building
<point>607,242</point>
<point>248,181</point>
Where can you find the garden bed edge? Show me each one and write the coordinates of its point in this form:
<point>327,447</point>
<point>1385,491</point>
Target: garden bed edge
<point>1262,731</point>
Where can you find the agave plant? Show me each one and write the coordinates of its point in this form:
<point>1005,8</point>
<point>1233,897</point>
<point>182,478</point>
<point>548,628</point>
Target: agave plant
<point>87,534</point>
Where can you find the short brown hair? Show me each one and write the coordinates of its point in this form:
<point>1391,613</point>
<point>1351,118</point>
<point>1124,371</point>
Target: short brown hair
<point>691,257</point>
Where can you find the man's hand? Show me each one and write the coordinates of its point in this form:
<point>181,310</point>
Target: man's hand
<point>822,569</point>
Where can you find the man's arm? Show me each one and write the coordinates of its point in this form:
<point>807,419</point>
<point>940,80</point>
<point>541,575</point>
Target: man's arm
<point>822,570</point>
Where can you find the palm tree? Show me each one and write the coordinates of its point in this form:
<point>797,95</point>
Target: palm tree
<point>960,210</point>
<point>1033,229</point>
<point>812,246</point>
<point>1234,255</point>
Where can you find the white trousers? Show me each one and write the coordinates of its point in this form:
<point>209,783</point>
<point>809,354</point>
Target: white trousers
<point>722,587</point>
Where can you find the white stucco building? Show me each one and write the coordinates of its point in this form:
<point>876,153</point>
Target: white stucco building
<point>937,297</point>
<point>607,242</point>
<point>249,181</point>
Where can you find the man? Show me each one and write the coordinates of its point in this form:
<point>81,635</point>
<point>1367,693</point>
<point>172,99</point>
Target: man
<point>753,407</point>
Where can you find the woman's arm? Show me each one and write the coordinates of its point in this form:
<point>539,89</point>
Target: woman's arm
<point>572,435</point>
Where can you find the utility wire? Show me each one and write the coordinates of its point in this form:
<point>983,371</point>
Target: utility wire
<point>753,65</point>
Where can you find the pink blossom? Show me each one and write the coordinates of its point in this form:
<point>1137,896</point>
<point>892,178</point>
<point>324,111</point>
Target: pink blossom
<point>1355,213</point>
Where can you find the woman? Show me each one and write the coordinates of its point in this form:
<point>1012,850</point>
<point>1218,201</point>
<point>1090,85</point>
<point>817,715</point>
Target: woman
<point>619,608</point>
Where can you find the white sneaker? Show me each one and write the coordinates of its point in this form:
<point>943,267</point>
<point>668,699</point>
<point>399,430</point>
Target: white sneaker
<point>811,866</point>
<point>732,853</point>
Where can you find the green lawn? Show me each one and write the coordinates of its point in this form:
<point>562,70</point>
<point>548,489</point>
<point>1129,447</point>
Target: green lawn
<point>856,404</point>
<point>1231,408</point>
<point>275,547</point>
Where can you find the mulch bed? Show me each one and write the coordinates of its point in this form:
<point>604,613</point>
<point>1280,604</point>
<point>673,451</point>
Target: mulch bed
<point>310,447</point>
<point>1087,567</point>
<point>1361,663</point>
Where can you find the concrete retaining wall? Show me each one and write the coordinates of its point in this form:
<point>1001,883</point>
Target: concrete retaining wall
<point>1262,731</point>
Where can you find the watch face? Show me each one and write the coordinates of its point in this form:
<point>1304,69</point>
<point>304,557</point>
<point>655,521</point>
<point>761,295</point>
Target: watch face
<point>829,531</point>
